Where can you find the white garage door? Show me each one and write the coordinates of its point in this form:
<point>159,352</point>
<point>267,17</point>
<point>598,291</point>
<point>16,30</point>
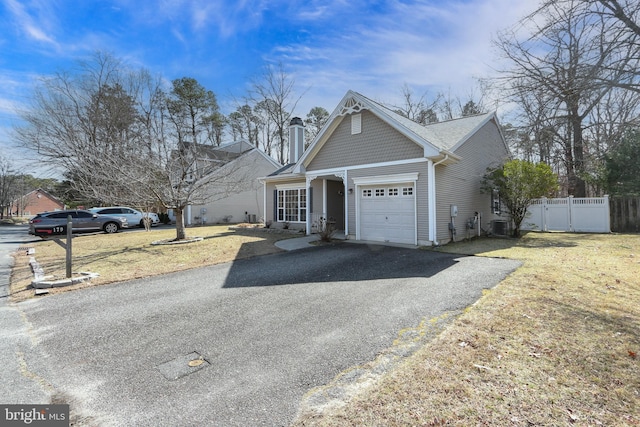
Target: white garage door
<point>387,213</point>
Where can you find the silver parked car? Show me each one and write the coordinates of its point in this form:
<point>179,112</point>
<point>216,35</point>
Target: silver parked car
<point>52,223</point>
<point>134,216</point>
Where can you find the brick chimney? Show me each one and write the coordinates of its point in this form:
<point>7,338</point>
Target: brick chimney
<point>296,139</point>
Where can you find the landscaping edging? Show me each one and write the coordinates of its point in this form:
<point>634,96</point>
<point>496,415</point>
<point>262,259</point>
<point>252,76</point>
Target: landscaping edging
<point>40,281</point>
<point>177,242</point>
<point>50,281</point>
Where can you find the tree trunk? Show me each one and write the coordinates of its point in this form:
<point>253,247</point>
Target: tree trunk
<point>180,231</point>
<point>580,188</point>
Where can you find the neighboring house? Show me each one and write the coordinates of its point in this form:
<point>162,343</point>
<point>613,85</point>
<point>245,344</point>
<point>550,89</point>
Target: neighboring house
<point>35,202</point>
<point>382,177</point>
<point>235,192</point>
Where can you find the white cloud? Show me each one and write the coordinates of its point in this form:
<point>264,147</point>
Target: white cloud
<point>430,46</point>
<point>36,24</point>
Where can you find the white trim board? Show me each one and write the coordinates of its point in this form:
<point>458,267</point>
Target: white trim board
<point>387,179</point>
<point>331,171</point>
<point>291,186</point>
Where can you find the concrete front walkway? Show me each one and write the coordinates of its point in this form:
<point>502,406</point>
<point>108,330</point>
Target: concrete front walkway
<point>308,242</point>
<point>297,242</point>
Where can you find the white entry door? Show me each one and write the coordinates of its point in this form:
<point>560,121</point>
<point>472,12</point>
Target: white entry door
<point>387,213</point>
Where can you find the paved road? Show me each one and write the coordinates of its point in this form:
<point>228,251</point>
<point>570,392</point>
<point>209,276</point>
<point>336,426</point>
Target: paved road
<point>268,330</point>
<point>15,387</point>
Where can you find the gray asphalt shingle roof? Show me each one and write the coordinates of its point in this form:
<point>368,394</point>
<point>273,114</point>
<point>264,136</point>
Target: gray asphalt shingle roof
<point>444,135</point>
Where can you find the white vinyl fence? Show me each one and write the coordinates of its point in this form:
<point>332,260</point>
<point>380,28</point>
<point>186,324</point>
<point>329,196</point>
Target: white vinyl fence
<point>577,214</point>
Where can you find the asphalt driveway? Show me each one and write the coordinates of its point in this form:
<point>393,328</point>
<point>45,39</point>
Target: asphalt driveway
<point>260,332</point>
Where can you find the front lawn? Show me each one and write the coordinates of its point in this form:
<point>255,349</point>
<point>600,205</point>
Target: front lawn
<point>554,344</point>
<point>130,255</point>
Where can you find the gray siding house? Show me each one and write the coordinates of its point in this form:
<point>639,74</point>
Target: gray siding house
<point>234,193</point>
<point>384,178</point>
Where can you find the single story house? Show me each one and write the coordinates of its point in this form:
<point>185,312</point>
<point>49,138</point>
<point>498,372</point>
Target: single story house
<point>235,194</point>
<point>379,176</point>
<point>35,202</point>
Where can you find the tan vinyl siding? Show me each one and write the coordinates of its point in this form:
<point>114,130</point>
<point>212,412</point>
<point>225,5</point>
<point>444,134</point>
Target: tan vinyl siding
<point>459,184</point>
<point>421,192</point>
<point>235,191</point>
<point>378,142</point>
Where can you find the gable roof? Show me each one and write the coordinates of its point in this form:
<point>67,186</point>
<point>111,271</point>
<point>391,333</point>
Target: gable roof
<point>226,153</point>
<point>438,140</point>
<point>446,135</point>
<point>41,191</point>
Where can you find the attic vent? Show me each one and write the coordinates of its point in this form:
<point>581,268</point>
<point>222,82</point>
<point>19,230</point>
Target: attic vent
<point>356,124</point>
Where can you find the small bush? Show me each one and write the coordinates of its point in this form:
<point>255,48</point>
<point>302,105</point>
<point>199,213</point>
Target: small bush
<point>327,230</point>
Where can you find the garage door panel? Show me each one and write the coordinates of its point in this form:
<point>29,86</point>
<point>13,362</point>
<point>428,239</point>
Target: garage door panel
<point>387,216</point>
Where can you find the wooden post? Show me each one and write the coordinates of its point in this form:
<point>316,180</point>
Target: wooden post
<point>68,246</point>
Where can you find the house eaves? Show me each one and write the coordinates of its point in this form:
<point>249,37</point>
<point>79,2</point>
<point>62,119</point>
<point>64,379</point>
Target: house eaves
<point>285,173</point>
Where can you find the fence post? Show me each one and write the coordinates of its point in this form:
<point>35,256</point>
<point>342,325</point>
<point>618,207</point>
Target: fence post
<point>570,203</point>
<point>544,214</point>
<point>68,247</point>
<point>607,211</point>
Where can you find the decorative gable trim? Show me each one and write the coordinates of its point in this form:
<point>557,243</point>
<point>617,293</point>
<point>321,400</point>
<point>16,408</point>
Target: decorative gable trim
<point>350,106</point>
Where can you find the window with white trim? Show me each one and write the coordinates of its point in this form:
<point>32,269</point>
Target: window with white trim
<point>292,205</point>
<point>366,193</point>
<point>496,203</point>
<point>393,192</point>
<point>379,192</point>
<point>407,191</point>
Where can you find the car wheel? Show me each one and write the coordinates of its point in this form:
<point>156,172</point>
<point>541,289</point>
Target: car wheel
<point>111,227</point>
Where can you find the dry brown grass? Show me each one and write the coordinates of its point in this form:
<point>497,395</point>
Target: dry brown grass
<point>130,255</point>
<point>554,344</point>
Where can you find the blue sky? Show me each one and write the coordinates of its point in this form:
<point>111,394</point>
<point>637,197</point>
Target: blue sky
<point>328,47</point>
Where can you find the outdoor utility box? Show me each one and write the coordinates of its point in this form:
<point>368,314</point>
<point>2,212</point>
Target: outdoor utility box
<point>454,210</point>
<point>252,218</point>
<point>499,227</point>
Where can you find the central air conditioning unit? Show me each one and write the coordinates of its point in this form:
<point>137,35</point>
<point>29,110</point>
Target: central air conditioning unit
<point>499,227</point>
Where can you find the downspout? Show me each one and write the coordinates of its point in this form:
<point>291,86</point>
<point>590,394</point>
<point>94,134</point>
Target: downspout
<point>264,201</point>
<point>324,200</point>
<point>446,157</point>
<point>432,199</point>
<point>309,207</point>
<point>346,205</point>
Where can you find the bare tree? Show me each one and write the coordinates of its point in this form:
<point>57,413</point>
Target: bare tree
<point>266,127</point>
<point>452,106</point>
<point>419,109</point>
<point>621,20</point>
<point>121,138</point>
<point>567,64</point>
<point>8,185</point>
<point>274,90</point>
